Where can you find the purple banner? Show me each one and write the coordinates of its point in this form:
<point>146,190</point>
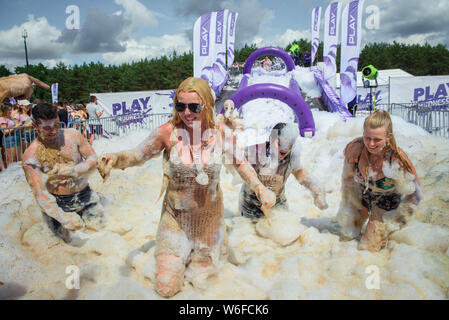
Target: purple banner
<point>54,92</point>
<point>315,19</point>
<point>333,19</point>
<point>219,27</point>
<point>205,34</point>
<point>352,23</point>
<point>232,25</point>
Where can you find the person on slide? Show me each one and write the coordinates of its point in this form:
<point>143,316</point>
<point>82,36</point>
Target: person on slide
<point>274,162</point>
<point>191,234</point>
<point>379,184</point>
<point>57,165</point>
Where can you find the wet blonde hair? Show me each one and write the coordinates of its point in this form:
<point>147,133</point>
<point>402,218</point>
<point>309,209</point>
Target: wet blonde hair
<point>202,89</point>
<point>379,119</point>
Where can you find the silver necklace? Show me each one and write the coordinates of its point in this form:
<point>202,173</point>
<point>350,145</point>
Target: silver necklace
<point>202,178</point>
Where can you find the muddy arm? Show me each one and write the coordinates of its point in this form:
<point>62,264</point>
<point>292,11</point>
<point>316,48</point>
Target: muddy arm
<point>232,151</point>
<point>318,193</point>
<point>148,149</point>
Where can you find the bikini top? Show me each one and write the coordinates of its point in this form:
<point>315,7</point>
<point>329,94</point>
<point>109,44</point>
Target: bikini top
<point>382,184</point>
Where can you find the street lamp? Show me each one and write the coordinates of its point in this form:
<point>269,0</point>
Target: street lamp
<point>24,36</point>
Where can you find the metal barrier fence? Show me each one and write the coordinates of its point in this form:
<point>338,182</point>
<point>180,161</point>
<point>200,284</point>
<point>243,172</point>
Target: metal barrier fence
<point>14,141</point>
<point>433,119</point>
<point>123,124</point>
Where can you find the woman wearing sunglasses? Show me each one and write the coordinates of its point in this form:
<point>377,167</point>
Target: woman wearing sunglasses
<point>191,235</point>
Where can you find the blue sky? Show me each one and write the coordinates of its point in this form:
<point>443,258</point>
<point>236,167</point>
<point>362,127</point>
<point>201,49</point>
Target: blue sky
<point>117,31</point>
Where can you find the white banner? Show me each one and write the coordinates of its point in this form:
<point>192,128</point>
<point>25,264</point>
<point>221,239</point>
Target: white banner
<point>351,38</point>
<point>364,98</point>
<point>221,37</point>
<point>54,92</point>
<point>316,17</point>
<point>331,28</point>
<point>232,22</point>
<point>429,90</point>
<point>147,102</point>
<point>203,43</point>
<point>217,75</point>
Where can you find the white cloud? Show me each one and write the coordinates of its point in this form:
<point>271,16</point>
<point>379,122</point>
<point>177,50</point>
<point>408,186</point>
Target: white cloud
<point>288,36</point>
<point>138,14</point>
<point>281,40</point>
<point>408,21</point>
<point>149,47</point>
<point>41,40</point>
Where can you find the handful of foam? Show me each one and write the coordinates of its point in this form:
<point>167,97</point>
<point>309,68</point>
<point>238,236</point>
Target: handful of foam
<point>404,180</point>
<point>282,227</point>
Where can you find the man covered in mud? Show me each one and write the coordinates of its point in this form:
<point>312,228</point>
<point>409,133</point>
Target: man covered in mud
<point>273,165</point>
<point>57,165</point>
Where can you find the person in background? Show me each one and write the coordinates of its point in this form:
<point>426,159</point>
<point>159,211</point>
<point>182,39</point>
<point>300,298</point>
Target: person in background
<point>57,166</point>
<point>81,117</point>
<point>95,112</point>
<point>27,132</point>
<point>63,114</point>
<point>11,136</point>
<point>379,184</point>
<point>27,104</point>
<point>70,113</point>
<point>307,59</point>
<point>295,54</point>
<point>15,110</point>
<point>267,64</point>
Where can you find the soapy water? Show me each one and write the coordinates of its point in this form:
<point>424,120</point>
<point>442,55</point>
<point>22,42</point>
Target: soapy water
<point>263,263</point>
<point>307,260</point>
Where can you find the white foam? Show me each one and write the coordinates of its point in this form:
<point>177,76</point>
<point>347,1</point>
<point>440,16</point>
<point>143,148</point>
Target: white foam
<point>118,262</point>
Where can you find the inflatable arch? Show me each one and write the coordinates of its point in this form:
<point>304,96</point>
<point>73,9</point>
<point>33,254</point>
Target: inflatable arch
<point>281,93</point>
<point>273,51</point>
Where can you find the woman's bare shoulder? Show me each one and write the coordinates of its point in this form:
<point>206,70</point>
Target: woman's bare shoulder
<point>353,149</point>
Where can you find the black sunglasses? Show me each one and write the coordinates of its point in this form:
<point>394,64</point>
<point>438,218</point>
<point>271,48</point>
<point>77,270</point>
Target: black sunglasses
<point>194,107</point>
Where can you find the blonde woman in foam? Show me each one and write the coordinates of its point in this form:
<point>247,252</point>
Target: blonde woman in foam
<point>379,184</point>
<point>191,235</point>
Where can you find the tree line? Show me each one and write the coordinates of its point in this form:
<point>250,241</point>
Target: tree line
<point>77,82</point>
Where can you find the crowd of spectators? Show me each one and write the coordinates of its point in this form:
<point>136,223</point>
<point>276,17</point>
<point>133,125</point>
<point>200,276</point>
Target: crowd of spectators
<point>17,133</point>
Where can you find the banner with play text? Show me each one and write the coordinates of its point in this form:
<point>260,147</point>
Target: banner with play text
<point>203,43</point>
<point>232,22</point>
<point>142,102</point>
<point>331,28</point>
<point>54,92</point>
<point>430,91</point>
<point>316,17</point>
<point>351,39</point>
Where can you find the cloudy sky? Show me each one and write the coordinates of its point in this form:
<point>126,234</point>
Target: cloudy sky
<point>117,31</point>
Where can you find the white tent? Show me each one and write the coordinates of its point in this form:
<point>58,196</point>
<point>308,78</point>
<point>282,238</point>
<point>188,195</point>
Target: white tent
<point>383,79</point>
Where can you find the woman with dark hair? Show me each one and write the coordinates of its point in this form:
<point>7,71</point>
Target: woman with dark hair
<point>274,165</point>
<point>11,137</point>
